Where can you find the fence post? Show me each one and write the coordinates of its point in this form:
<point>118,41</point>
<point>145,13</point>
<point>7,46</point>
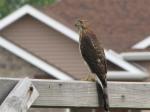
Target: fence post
<point>20,98</point>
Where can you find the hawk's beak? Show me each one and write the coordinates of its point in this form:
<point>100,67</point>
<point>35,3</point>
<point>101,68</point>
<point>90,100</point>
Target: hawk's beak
<point>76,24</point>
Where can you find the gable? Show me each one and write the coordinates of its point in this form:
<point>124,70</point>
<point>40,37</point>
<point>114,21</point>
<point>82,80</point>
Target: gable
<point>47,44</point>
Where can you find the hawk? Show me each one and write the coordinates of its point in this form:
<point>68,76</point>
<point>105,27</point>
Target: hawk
<point>93,54</point>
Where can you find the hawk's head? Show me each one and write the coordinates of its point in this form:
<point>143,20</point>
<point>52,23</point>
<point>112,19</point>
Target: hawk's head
<point>81,25</point>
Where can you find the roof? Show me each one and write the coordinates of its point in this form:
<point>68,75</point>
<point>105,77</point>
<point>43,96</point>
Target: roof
<point>111,20</point>
<point>112,56</point>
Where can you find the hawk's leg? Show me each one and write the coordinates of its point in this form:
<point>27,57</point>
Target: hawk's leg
<point>89,77</point>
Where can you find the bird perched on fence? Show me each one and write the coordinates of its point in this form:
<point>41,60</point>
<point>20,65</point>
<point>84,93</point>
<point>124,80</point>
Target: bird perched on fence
<point>93,53</point>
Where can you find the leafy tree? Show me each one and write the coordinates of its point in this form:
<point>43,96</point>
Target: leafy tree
<point>7,6</point>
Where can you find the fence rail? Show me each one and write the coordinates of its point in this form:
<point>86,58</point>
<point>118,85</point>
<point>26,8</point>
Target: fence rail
<point>55,93</point>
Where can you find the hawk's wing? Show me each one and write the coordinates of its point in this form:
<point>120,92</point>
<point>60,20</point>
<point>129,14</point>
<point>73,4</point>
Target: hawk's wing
<point>93,54</point>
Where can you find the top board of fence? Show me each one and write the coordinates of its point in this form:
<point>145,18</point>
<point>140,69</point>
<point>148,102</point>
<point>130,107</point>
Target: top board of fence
<point>55,93</point>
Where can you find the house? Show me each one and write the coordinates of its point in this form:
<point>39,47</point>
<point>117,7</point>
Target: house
<point>40,45</point>
<point>53,48</point>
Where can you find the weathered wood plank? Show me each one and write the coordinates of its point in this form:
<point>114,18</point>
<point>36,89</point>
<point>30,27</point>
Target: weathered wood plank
<point>20,98</point>
<point>84,94</point>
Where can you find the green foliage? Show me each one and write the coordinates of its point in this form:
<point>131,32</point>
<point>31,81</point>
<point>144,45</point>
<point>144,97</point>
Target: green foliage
<point>7,6</point>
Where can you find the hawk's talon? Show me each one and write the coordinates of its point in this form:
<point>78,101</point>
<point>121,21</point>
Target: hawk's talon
<point>89,78</point>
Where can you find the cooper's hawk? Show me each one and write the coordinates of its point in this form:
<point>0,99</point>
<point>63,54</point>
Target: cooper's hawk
<point>93,54</point>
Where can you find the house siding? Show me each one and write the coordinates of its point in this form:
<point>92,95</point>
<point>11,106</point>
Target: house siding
<point>13,66</point>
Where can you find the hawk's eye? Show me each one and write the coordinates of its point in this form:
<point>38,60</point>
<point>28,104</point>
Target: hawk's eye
<point>80,21</point>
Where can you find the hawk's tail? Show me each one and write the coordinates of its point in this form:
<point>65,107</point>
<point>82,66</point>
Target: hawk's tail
<point>106,100</point>
<point>103,89</point>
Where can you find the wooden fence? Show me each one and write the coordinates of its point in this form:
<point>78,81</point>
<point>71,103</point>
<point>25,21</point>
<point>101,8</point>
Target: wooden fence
<point>55,93</point>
